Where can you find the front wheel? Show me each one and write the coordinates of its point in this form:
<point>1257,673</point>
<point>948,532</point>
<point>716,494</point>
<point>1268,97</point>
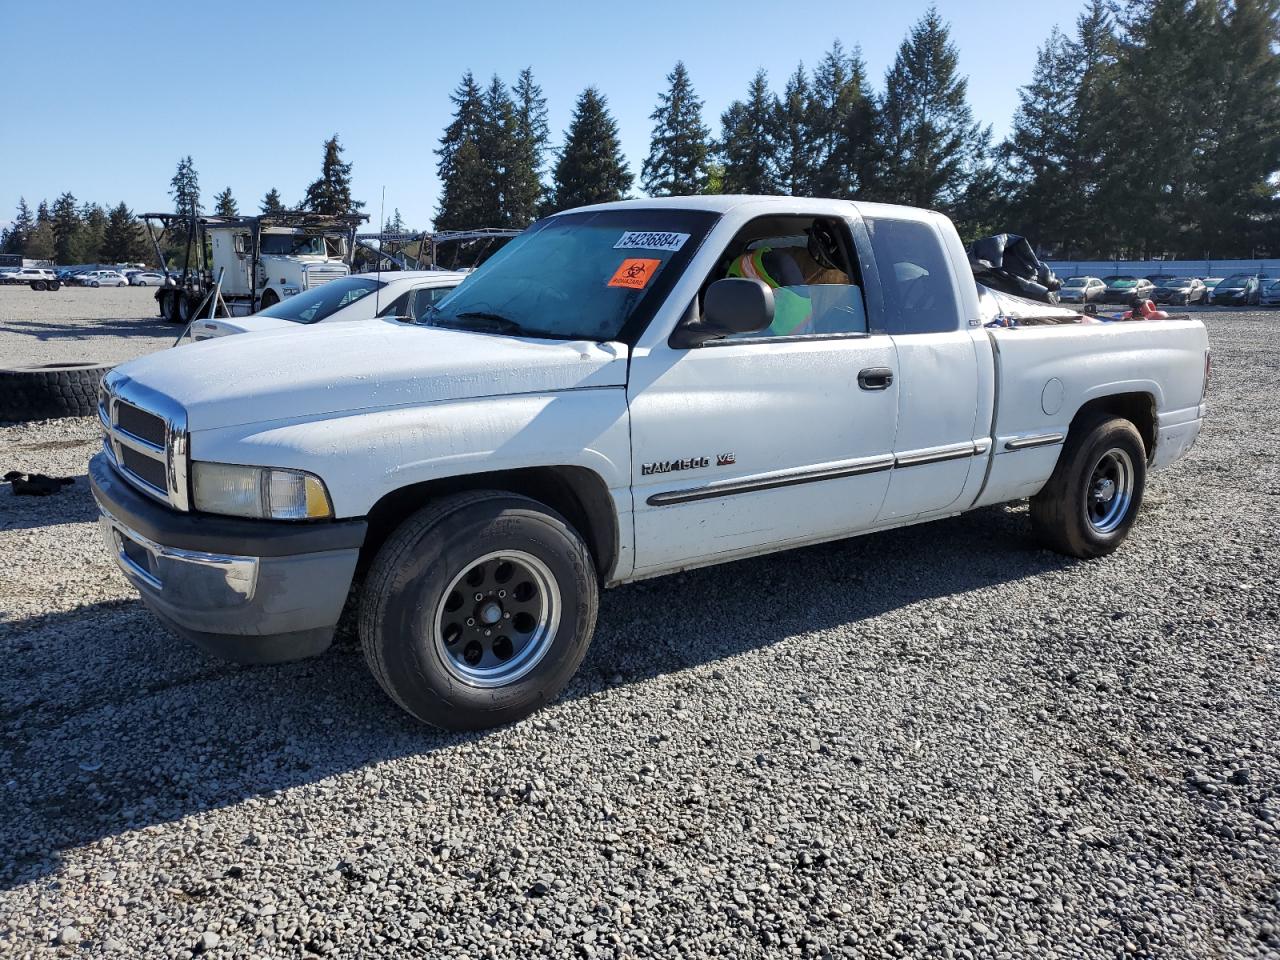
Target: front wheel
<point>1092,499</point>
<point>95,284</point>
<point>478,610</point>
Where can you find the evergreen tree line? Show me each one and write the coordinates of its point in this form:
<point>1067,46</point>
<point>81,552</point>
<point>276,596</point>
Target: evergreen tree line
<point>72,232</point>
<point>1153,129</point>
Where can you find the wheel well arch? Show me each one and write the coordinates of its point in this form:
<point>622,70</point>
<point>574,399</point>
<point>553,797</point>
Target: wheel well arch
<point>578,494</point>
<point>1138,408</point>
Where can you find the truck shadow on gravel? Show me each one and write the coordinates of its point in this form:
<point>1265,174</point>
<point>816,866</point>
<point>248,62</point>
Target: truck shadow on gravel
<point>114,329</point>
<point>108,724</point>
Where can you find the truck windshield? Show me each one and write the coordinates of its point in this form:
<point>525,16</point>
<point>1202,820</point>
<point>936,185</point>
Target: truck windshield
<point>290,245</point>
<point>321,302</point>
<point>579,276</point>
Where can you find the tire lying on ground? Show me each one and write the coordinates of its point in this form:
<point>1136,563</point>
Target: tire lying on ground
<point>50,390</point>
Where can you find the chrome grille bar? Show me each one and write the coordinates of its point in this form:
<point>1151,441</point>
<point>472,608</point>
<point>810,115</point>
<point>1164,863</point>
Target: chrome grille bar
<point>126,410</point>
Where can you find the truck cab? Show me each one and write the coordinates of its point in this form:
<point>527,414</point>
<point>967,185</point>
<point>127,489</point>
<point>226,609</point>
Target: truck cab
<point>623,391</point>
<point>285,261</point>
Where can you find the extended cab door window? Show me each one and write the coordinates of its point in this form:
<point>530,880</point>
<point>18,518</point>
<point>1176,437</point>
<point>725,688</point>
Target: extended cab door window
<point>915,276</point>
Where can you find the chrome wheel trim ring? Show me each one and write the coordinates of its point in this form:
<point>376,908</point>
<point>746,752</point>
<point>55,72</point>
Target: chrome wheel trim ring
<point>1109,492</point>
<point>527,647</point>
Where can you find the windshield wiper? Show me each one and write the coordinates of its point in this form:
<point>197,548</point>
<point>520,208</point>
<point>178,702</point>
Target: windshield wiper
<point>491,321</point>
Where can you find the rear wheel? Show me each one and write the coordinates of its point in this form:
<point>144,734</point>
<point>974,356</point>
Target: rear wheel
<point>39,285</point>
<point>1093,496</point>
<point>478,610</point>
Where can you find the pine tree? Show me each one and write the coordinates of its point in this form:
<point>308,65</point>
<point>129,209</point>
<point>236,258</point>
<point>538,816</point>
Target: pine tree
<point>843,136</point>
<point>395,224</point>
<point>185,187</point>
<point>591,167</point>
<point>678,149</point>
<point>1040,152</point>
<point>120,237</point>
<point>794,150</point>
<point>1236,209</point>
<point>65,222</point>
<point>224,205</point>
<point>1090,118</point>
<point>931,138</point>
<point>523,190</point>
<point>497,150</point>
<point>41,243</point>
<point>748,141</point>
<point>271,202</point>
<point>87,245</point>
<point>20,230</point>
<point>331,193</point>
<point>42,213</point>
<point>466,195</point>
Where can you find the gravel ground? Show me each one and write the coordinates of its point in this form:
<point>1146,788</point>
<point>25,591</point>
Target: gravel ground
<point>106,325</point>
<point>937,741</point>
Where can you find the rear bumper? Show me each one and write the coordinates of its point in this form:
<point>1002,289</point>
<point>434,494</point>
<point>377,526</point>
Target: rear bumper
<point>250,591</point>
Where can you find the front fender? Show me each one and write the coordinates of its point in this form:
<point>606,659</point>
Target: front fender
<point>367,454</point>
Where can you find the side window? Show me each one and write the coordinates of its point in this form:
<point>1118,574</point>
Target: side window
<point>424,298</point>
<point>816,291</point>
<point>399,307</point>
<point>914,275</point>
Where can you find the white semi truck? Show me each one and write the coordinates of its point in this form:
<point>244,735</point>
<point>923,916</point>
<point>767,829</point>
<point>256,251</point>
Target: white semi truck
<point>261,260</point>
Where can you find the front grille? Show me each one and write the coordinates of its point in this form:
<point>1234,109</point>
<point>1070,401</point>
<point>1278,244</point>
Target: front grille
<point>147,448</point>
<point>316,276</point>
<point>146,468</point>
<point>141,424</point>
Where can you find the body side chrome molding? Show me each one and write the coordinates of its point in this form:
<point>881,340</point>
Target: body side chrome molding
<point>770,481</point>
<point>1033,440</point>
<point>829,471</point>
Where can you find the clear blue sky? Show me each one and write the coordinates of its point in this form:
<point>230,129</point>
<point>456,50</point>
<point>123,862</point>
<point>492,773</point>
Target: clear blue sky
<point>98,101</point>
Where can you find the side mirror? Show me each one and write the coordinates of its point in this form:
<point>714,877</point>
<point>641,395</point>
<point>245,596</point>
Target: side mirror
<point>732,305</point>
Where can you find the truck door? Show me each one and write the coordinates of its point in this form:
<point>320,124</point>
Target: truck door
<point>938,366</point>
<point>776,437</point>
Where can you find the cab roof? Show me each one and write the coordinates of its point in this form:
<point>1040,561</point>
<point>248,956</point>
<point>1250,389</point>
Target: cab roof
<point>758,205</point>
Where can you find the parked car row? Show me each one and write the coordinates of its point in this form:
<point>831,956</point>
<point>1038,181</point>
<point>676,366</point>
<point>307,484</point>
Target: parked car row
<point>1241,289</point>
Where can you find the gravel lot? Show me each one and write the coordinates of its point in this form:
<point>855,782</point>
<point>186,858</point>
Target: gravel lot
<point>106,325</point>
<point>937,741</point>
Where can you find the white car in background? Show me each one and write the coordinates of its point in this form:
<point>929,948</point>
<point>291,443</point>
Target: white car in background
<point>146,278</point>
<point>103,278</point>
<point>408,294</point>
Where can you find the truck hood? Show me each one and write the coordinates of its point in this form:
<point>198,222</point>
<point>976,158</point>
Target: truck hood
<point>316,371</point>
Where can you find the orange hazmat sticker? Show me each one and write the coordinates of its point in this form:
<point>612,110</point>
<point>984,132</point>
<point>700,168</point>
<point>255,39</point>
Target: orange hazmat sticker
<point>634,273</point>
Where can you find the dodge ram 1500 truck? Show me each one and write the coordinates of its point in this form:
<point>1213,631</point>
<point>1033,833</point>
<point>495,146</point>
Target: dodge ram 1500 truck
<point>625,390</point>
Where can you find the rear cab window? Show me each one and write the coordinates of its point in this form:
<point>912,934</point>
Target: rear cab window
<point>915,276</point>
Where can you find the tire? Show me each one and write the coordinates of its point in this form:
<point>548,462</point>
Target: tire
<point>95,284</point>
<point>269,299</point>
<point>183,308</point>
<point>405,613</point>
<point>55,284</point>
<point>141,283</point>
<point>49,391</point>
<point>39,285</point>
<point>1065,514</point>
<point>122,284</point>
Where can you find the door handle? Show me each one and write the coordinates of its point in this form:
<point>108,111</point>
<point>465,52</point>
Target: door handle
<point>875,378</point>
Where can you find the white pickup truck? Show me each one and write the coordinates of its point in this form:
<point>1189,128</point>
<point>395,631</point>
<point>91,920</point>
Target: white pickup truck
<point>624,391</point>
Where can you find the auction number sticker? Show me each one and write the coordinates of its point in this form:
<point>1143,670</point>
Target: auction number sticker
<point>651,240</point>
<point>634,274</point>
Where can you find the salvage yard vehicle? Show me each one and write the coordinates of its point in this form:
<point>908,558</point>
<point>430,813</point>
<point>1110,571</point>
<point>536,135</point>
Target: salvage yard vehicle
<point>407,295</point>
<point>102,278</point>
<point>1183,290</point>
<point>1240,289</point>
<point>37,278</point>
<point>1270,293</point>
<point>1126,289</point>
<point>1081,290</point>
<point>261,260</point>
<point>624,391</point>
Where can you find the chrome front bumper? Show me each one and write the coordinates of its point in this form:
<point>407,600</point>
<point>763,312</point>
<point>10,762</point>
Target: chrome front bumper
<point>208,579</point>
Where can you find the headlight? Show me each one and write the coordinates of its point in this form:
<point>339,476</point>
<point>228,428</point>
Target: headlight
<point>259,492</point>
